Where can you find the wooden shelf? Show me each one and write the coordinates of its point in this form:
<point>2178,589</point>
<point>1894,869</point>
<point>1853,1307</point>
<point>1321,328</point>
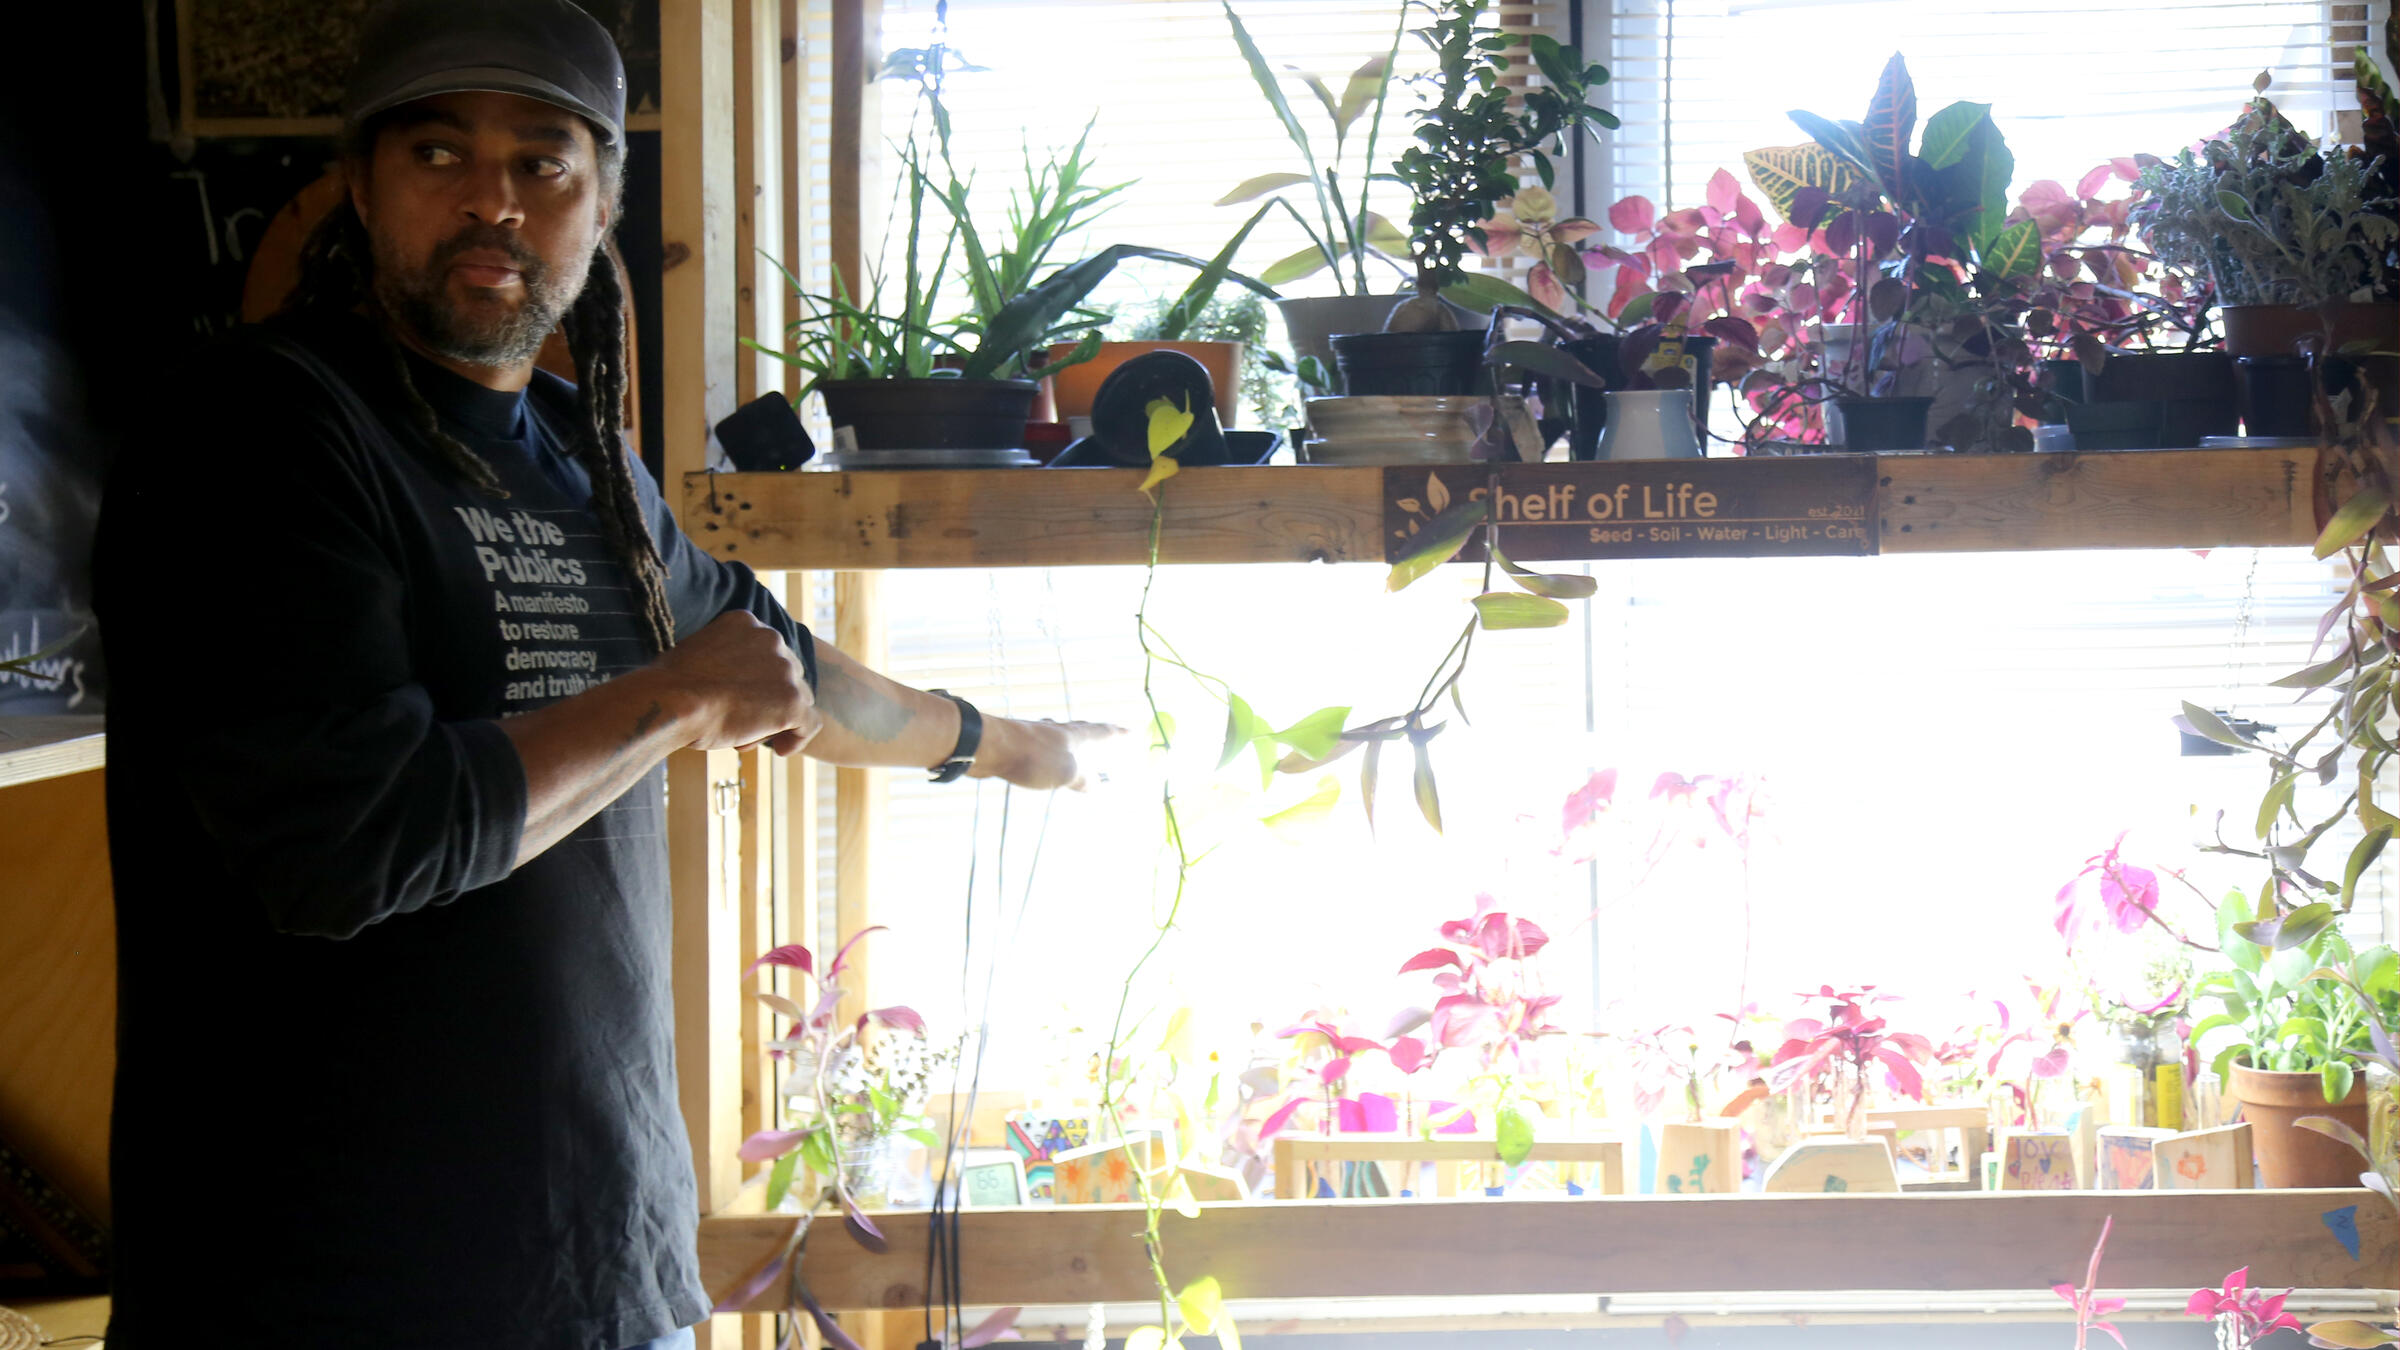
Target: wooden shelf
<point>1633,1244</point>
<point>34,748</point>
<point>1071,517</point>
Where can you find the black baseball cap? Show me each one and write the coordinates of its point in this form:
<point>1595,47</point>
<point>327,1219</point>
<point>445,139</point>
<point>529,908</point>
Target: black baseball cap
<point>549,50</point>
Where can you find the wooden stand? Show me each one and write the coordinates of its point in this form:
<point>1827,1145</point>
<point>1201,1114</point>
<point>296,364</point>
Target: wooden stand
<point>2031,1161</point>
<point>2205,1160</point>
<point>1702,1159</point>
<point>1823,1166</point>
<point>1102,1174</point>
<point>2122,1159</point>
<point>1295,1155</point>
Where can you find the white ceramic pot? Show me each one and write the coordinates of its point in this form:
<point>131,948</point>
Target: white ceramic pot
<point>1649,424</point>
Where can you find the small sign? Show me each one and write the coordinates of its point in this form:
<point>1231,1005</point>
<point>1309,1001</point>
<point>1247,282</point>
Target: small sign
<point>1693,508</point>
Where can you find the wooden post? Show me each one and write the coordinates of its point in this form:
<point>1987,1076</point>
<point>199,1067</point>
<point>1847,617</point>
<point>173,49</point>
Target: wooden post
<point>853,135</point>
<point>762,192</point>
<point>696,216</point>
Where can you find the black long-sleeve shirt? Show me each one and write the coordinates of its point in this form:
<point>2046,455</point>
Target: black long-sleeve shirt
<point>375,1087</point>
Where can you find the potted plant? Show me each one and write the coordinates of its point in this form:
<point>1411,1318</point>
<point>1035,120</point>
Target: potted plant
<point>923,376</point>
<point>1951,271</point>
<point>2297,1036</point>
<point>1458,172</point>
<point>2127,345</point>
<point>1346,236</point>
<point>2299,238</point>
<point>1836,1056</point>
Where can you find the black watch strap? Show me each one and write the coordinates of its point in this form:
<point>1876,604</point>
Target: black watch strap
<point>970,736</point>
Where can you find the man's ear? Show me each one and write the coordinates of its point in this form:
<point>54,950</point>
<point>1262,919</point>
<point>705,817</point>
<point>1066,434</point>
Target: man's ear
<point>354,185</point>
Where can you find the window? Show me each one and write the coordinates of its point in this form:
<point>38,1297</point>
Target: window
<point>1172,106</point>
<point>2071,84</point>
<point>1942,741</point>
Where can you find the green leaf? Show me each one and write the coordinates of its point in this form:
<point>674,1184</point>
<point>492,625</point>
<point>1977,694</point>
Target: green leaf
<point>2348,1333</point>
<point>1544,359</point>
<point>1316,735</point>
<point>922,1135</point>
<point>1443,537</point>
<point>1304,263</point>
<point>2361,858</point>
<point>2213,727</point>
<point>2351,523</point>
<point>2016,251</point>
<point>816,1149</point>
<point>2235,205</point>
<point>1365,88</point>
<point>1891,120</point>
<point>1309,810</point>
<point>2377,971</point>
<point>1162,731</point>
<point>1370,763</point>
<point>1202,1302</point>
<point>1242,728</point>
<point>2316,676</point>
<point>2277,799</point>
<point>1386,238</point>
<point>1513,1134</point>
<point>1780,171</point>
<point>779,1179</point>
<point>1429,802</point>
<point>1556,585</point>
<point>2212,1022</point>
<point>1324,92</point>
<point>1251,189</point>
<point>1837,140</point>
<point>1195,298</point>
<point>1483,292</point>
<point>1499,610</point>
<point>2337,1077</point>
<point>1949,132</point>
<point>1268,84</point>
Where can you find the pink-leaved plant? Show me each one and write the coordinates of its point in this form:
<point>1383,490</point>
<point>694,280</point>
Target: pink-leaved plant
<point>2089,1306</point>
<point>2244,1316</point>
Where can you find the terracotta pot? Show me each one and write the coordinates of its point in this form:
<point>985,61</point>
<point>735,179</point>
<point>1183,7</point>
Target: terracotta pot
<point>1076,386</point>
<point>2291,1158</point>
<point>2271,330</point>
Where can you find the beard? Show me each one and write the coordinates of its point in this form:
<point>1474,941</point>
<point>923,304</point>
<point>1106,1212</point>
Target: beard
<point>491,333</point>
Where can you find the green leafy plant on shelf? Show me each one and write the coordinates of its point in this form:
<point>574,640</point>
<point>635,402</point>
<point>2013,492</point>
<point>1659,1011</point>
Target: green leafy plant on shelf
<point>1470,136</point>
<point>2287,995</point>
<point>2273,217</point>
<point>1345,234</point>
<point>1018,301</point>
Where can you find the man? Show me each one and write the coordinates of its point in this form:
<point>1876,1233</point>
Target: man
<point>402,637</point>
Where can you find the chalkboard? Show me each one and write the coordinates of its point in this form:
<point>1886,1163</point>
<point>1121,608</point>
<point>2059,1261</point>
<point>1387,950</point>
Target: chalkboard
<point>286,59</point>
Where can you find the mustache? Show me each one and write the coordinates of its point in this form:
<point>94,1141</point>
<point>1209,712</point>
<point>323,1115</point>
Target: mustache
<point>492,238</point>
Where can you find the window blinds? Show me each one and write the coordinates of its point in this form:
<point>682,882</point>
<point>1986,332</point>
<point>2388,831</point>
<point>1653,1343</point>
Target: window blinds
<point>2071,83</point>
<point>1173,109</point>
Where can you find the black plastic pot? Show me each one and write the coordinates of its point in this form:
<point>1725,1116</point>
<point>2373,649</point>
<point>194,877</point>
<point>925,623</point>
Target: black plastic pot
<point>1410,363</point>
<point>1121,410</point>
<point>2062,384</point>
<point>1599,354</point>
<point>2195,391</point>
<point>2124,425</point>
<point>1883,423</point>
<point>934,414</point>
<point>1604,354</point>
<point>2275,395</point>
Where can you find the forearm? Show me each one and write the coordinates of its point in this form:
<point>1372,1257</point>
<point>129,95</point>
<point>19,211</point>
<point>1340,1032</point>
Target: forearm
<point>873,721</point>
<point>583,752</point>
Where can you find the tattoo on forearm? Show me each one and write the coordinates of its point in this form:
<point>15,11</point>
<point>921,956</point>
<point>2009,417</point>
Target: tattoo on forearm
<point>859,706</point>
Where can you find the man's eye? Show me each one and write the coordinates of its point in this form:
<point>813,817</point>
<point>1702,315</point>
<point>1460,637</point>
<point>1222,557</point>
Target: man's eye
<point>546,168</point>
<point>437,155</point>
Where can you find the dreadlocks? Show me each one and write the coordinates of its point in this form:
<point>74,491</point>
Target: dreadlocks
<point>337,276</point>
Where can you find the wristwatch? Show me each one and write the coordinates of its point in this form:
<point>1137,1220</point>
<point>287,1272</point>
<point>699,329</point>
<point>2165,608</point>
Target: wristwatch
<point>970,735</point>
